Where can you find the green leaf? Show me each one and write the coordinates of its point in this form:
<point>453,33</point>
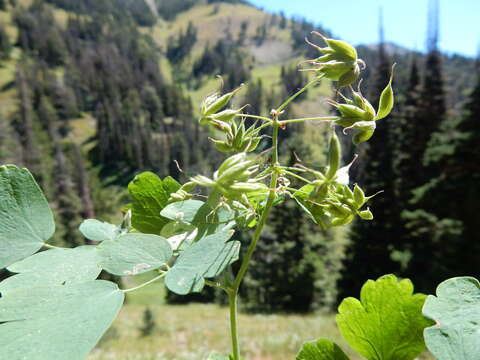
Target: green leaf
<point>387,322</point>
<point>323,349</point>
<point>150,195</point>
<point>184,211</point>
<point>200,215</point>
<point>386,100</point>
<point>26,220</point>
<point>54,267</point>
<point>96,230</point>
<point>134,253</point>
<point>58,321</point>
<point>206,258</point>
<point>170,185</point>
<point>456,311</point>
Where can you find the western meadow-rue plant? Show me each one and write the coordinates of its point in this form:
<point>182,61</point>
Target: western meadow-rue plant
<point>53,307</point>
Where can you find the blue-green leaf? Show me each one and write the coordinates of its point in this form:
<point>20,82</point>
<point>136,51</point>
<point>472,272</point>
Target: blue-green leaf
<point>184,211</point>
<point>150,195</point>
<point>206,258</point>
<point>456,311</point>
<point>26,220</point>
<point>323,349</point>
<point>134,253</point>
<point>96,230</point>
<point>57,321</point>
<point>200,215</point>
<point>387,322</point>
<point>54,267</point>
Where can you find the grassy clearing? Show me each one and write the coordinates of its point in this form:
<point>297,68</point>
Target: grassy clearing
<point>191,332</point>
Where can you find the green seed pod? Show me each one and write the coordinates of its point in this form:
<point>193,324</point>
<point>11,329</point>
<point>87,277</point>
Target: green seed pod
<point>354,112</point>
<point>366,214</point>
<point>342,221</point>
<point>339,49</point>
<point>339,61</point>
<point>203,181</point>
<point>232,160</point>
<point>362,136</point>
<point>347,192</point>
<point>248,187</point>
<point>239,172</point>
<point>358,196</point>
<point>221,125</point>
<point>239,136</point>
<point>215,103</point>
<point>320,192</point>
<point>349,77</point>
<point>343,50</point>
<point>334,156</point>
<point>253,144</point>
<point>386,99</point>
<point>339,209</point>
<point>221,146</point>
<point>226,115</point>
<point>334,70</point>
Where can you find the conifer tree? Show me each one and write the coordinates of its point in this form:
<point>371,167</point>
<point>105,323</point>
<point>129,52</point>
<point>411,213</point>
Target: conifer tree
<point>428,230</point>
<point>68,204</point>
<point>375,239</point>
<point>254,97</point>
<point>5,45</point>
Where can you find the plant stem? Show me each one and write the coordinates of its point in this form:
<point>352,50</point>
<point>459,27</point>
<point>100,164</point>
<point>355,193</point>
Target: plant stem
<point>297,176</point>
<point>308,119</point>
<point>233,293</point>
<point>275,167</point>
<point>294,96</point>
<point>146,283</point>
<point>232,301</point>
<point>255,117</point>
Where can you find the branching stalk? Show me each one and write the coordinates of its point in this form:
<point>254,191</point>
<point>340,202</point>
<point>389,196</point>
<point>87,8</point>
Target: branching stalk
<point>275,170</point>
<point>323,118</point>
<point>294,96</point>
<point>146,283</point>
<point>254,117</point>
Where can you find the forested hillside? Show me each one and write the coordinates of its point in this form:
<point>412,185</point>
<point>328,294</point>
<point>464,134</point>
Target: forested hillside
<point>94,91</point>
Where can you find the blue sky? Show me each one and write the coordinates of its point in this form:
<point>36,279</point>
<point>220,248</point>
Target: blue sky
<point>405,21</point>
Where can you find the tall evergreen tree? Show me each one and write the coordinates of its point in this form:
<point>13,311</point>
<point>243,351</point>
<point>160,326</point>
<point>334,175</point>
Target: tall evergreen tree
<point>428,234</point>
<point>373,241</point>
<point>5,44</point>
<point>67,203</point>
